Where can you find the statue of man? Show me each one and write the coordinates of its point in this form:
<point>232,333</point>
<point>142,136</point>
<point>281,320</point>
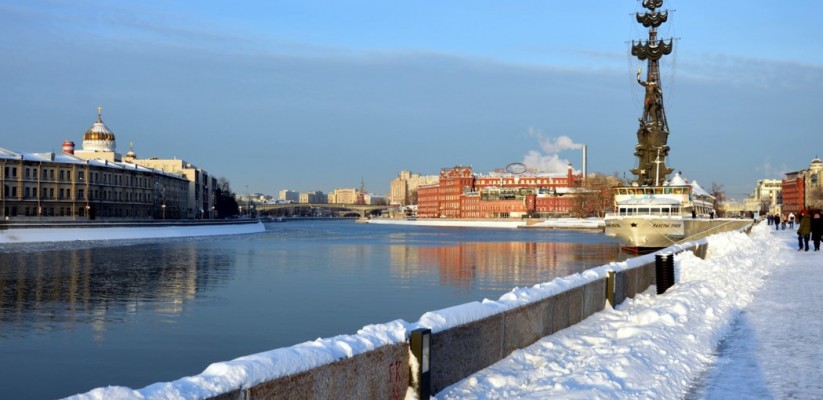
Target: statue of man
<point>652,92</point>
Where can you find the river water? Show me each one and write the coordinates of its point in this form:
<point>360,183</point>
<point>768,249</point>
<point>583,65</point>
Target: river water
<point>80,315</point>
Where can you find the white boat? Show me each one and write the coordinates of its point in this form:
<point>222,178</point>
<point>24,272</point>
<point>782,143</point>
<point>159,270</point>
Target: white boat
<point>652,217</point>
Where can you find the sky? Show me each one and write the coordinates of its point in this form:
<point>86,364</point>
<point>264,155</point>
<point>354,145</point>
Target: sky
<point>733,325</point>
<point>318,95</point>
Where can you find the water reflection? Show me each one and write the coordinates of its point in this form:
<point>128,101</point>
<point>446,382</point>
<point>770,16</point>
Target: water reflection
<point>46,290</point>
<point>502,265</point>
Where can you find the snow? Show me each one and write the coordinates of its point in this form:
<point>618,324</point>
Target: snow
<point>64,234</point>
<point>745,321</point>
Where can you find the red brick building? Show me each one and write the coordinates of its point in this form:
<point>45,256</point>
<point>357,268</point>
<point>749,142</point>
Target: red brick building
<point>461,194</point>
<point>794,192</point>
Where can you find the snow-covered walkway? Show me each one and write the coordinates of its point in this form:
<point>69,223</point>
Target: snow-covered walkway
<point>744,323</point>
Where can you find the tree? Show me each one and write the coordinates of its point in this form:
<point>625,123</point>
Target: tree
<point>224,201</point>
<point>719,198</point>
<point>595,196</point>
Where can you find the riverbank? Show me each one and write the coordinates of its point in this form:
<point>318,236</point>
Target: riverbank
<point>553,223</point>
<point>32,232</point>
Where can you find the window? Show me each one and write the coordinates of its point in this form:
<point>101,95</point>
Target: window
<point>61,178</point>
<point>80,175</point>
<point>14,173</point>
<point>27,175</point>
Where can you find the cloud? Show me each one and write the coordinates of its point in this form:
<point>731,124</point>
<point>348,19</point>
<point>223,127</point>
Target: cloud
<point>548,159</point>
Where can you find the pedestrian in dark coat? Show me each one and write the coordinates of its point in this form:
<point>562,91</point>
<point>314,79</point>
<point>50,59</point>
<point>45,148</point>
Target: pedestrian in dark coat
<point>817,228</point>
<point>803,231</point>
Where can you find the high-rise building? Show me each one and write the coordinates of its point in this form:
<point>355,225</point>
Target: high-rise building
<point>403,189</point>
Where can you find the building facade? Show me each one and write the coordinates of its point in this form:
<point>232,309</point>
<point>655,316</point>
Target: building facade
<point>803,189</point>
<point>766,197</point>
<point>403,189</point>
<point>343,196</point>
<point>97,182</point>
<point>462,194</point>
<point>315,197</point>
<point>288,195</point>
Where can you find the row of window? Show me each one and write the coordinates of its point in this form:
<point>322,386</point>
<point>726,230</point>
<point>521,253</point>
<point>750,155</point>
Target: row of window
<point>95,177</point>
<point>65,194</point>
<point>82,211</point>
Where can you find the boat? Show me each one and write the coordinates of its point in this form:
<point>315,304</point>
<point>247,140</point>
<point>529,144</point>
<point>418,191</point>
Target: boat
<point>654,212</point>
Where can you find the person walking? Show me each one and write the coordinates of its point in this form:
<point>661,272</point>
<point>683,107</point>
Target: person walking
<point>791,220</point>
<point>804,229</point>
<point>817,228</point>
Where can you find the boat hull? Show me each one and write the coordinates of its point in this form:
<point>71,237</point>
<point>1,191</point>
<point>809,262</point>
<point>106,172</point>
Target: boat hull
<point>659,232</point>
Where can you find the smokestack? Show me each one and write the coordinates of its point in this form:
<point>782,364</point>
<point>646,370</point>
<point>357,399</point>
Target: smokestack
<point>68,147</point>
<point>585,163</point>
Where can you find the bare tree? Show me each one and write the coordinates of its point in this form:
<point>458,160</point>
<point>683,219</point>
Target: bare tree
<point>719,198</point>
<point>595,197</point>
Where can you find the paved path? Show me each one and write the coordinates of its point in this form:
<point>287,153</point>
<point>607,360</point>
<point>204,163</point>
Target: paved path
<point>775,350</point>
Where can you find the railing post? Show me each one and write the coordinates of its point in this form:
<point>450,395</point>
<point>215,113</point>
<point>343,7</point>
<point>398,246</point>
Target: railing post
<point>610,282</point>
<point>420,341</point>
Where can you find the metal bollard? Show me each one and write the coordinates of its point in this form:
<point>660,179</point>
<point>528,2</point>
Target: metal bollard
<point>419,341</point>
<point>664,271</point>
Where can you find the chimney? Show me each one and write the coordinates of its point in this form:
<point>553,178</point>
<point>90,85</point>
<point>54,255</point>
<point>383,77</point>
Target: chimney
<point>68,147</point>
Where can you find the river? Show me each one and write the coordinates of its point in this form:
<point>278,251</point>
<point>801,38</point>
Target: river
<point>80,315</point>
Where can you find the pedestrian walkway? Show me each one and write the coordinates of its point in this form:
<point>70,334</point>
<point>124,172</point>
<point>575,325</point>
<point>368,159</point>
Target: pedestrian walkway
<point>775,350</point>
<point>744,323</point>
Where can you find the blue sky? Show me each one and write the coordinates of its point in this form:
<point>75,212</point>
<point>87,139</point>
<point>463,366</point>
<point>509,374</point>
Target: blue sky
<point>319,94</point>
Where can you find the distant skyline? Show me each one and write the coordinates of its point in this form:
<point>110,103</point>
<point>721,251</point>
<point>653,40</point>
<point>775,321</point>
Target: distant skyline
<point>317,95</point>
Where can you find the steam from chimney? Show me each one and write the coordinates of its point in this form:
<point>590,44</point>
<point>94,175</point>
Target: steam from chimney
<point>547,159</point>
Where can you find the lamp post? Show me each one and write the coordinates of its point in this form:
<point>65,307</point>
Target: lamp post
<point>164,210</point>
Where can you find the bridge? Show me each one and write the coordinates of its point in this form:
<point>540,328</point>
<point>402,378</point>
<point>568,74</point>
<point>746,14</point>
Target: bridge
<point>317,210</point>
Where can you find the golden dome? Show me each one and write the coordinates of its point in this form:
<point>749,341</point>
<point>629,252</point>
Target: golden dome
<point>99,130</point>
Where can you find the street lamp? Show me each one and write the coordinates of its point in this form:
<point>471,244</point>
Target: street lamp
<point>164,210</point>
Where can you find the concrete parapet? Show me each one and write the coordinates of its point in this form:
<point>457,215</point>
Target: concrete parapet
<point>594,297</point>
<point>382,373</point>
<point>527,324</point>
<point>463,350</point>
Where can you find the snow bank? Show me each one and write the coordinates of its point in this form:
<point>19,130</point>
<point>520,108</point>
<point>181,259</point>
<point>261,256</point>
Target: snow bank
<point>66,234</point>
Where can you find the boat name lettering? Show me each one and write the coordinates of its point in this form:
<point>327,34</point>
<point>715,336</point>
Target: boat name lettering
<point>666,225</point>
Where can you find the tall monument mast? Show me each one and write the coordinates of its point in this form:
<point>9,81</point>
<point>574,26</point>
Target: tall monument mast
<point>653,133</point>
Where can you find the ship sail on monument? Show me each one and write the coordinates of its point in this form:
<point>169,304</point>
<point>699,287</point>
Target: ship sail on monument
<point>655,211</point>
<point>653,133</point>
